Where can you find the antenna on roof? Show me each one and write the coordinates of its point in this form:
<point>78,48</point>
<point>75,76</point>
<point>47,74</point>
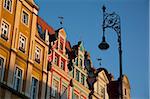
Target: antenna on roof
<point>61,19</point>
<point>99,59</point>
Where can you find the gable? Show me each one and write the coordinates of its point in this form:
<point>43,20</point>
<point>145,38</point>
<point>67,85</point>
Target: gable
<point>63,33</point>
<point>103,76</point>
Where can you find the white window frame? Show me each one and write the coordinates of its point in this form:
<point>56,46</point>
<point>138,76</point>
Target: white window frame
<point>38,53</point>
<point>14,80</point>
<point>8,31</point>
<point>22,18</point>
<point>3,68</point>
<point>11,6</point>
<point>25,43</point>
<point>36,89</point>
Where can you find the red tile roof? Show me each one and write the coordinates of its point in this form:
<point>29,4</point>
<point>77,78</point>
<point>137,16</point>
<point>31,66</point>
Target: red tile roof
<point>45,26</point>
<point>68,46</point>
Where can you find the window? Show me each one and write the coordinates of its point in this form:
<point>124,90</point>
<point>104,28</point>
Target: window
<point>17,79</point>
<point>54,92</point>
<point>77,75</point>
<point>81,62</point>
<point>61,46</point>
<point>102,92</point>
<point>62,65</point>
<point>64,92</point>
<point>1,67</point>
<point>25,18</point>
<point>22,43</point>
<point>4,30</point>
<point>8,5</point>
<point>34,88</point>
<point>76,61</point>
<point>37,54</point>
<point>56,60</point>
<point>125,91</point>
<point>82,79</point>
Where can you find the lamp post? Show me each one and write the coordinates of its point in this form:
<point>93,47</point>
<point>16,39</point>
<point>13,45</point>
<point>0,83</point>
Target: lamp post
<point>112,21</point>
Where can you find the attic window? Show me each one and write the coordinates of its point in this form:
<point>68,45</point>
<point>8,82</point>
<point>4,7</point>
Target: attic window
<point>39,28</point>
<point>40,31</point>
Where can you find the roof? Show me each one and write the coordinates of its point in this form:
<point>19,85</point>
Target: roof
<point>109,75</point>
<point>68,45</point>
<point>45,26</point>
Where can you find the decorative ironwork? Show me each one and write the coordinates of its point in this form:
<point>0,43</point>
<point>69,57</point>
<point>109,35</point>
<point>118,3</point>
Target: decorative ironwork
<point>112,20</point>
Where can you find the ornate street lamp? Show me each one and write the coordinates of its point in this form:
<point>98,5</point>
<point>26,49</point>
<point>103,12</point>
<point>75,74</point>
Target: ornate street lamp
<point>112,21</point>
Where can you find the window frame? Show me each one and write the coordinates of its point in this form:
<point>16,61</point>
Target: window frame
<point>81,62</point>
<point>82,75</point>
<point>78,72</point>
<point>62,92</point>
<point>54,90</point>
<point>37,90</point>
<point>5,7</point>
<point>61,46</point>
<point>56,62</point>
<point>63,68</point>
<point>38,59</point>
<point>22,17</point>
<point>5,37</point>
<point>3,68</point>
<point>25,45</point>
<point>21,82</point>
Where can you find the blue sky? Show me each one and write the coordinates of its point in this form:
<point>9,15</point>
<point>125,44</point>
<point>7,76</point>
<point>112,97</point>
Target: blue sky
<point>83,20</point>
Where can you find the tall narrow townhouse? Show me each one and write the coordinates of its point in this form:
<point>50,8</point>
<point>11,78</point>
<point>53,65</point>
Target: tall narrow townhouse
<point>7,16</point>
<point>100,85</point>
<point>79,73</point>
<point>59,82</point>
<point>36,86</point>
<point>23,50</point>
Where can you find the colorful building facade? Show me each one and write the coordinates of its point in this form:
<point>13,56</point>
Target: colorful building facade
<point>38,62</point>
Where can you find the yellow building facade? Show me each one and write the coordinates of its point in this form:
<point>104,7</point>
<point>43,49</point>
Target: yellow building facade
<point>23,53</point>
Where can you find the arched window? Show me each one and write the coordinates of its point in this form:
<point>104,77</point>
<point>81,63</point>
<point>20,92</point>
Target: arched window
<point>8,5</point>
